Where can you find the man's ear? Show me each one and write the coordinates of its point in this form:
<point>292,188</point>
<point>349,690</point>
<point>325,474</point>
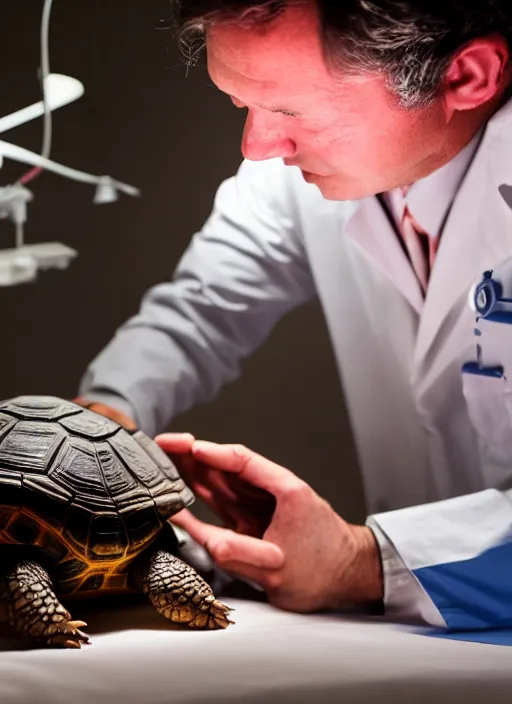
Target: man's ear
<point>476,74</point>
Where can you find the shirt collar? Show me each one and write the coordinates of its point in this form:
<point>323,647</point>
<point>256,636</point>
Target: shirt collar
<point>430,198</point>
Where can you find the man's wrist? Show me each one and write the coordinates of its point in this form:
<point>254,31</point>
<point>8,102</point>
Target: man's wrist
<point>367,584</point>
<point>107,411</point>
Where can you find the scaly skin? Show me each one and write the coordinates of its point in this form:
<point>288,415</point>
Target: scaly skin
<point>179,593</point>
<point>33,608</point>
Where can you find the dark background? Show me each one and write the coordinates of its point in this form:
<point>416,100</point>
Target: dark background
<point>147,121</point>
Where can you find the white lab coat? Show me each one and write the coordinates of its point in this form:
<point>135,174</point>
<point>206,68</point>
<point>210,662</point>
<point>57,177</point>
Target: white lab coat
<point>273,242</point>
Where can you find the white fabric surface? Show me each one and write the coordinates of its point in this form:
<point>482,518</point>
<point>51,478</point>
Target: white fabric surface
<point>267,656</point>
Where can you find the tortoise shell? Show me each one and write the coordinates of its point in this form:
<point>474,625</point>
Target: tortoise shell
<point>85,491</point>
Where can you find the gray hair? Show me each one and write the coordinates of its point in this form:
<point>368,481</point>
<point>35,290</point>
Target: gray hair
<point>411,42</point>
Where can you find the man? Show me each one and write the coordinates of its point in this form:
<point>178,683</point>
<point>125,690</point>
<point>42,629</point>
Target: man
<point>377,146</point>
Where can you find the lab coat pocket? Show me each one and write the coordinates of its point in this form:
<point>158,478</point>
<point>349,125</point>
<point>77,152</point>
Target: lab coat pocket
<point>489,400</point>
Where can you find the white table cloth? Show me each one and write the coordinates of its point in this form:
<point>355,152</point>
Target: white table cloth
<point>268,656</point>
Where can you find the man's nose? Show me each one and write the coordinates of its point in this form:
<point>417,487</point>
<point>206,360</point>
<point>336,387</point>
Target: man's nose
<point>265,138</point>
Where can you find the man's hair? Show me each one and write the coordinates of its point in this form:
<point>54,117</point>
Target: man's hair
<point>411,42</point>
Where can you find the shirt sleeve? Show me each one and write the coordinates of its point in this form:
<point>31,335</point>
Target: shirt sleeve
<point>405,600</point>
<point>449,563</point>
<point>241,273</point>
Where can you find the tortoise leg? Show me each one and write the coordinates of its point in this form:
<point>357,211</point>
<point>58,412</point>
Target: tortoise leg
<point>179,593</point>
<point>33,609</point>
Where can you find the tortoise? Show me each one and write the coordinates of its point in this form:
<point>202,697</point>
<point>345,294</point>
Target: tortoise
<point>84,509</point>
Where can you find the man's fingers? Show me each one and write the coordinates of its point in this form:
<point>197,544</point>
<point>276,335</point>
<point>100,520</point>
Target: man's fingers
<point>225,546</point>
<point>250,466</point>
<point>266,579</point>
<point>219,483</point>
<point>175,443</point>
<point>218,507</point>
<point>228,547</point>
<point>199,530</point>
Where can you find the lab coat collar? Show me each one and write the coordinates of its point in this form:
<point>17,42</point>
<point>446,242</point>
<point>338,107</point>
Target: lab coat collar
<point>370,229</point>
<point>477,235</point>
<point>429,199</point>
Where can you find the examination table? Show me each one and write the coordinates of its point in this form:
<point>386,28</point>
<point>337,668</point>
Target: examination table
<point>136,657</point>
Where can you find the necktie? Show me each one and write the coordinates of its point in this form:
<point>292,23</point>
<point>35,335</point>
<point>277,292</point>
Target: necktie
<point>420,246</point>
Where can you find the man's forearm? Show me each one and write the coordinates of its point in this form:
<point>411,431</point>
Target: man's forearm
<point>360,580</point>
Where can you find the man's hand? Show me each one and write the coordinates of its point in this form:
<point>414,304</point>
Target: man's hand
<point>241,506</point>
<point>294,545</point>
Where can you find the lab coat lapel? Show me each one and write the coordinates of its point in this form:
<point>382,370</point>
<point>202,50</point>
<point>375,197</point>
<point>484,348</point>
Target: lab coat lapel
<point>371,230</point>
<point>477,236</point>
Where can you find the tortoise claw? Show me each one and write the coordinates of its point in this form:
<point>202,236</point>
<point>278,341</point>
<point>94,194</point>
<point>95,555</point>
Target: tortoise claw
<point>69,636</point>
<point>76,624</point>
<point>68,640</point>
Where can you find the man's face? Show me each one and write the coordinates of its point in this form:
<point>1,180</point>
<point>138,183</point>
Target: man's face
<point>346,133</point>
